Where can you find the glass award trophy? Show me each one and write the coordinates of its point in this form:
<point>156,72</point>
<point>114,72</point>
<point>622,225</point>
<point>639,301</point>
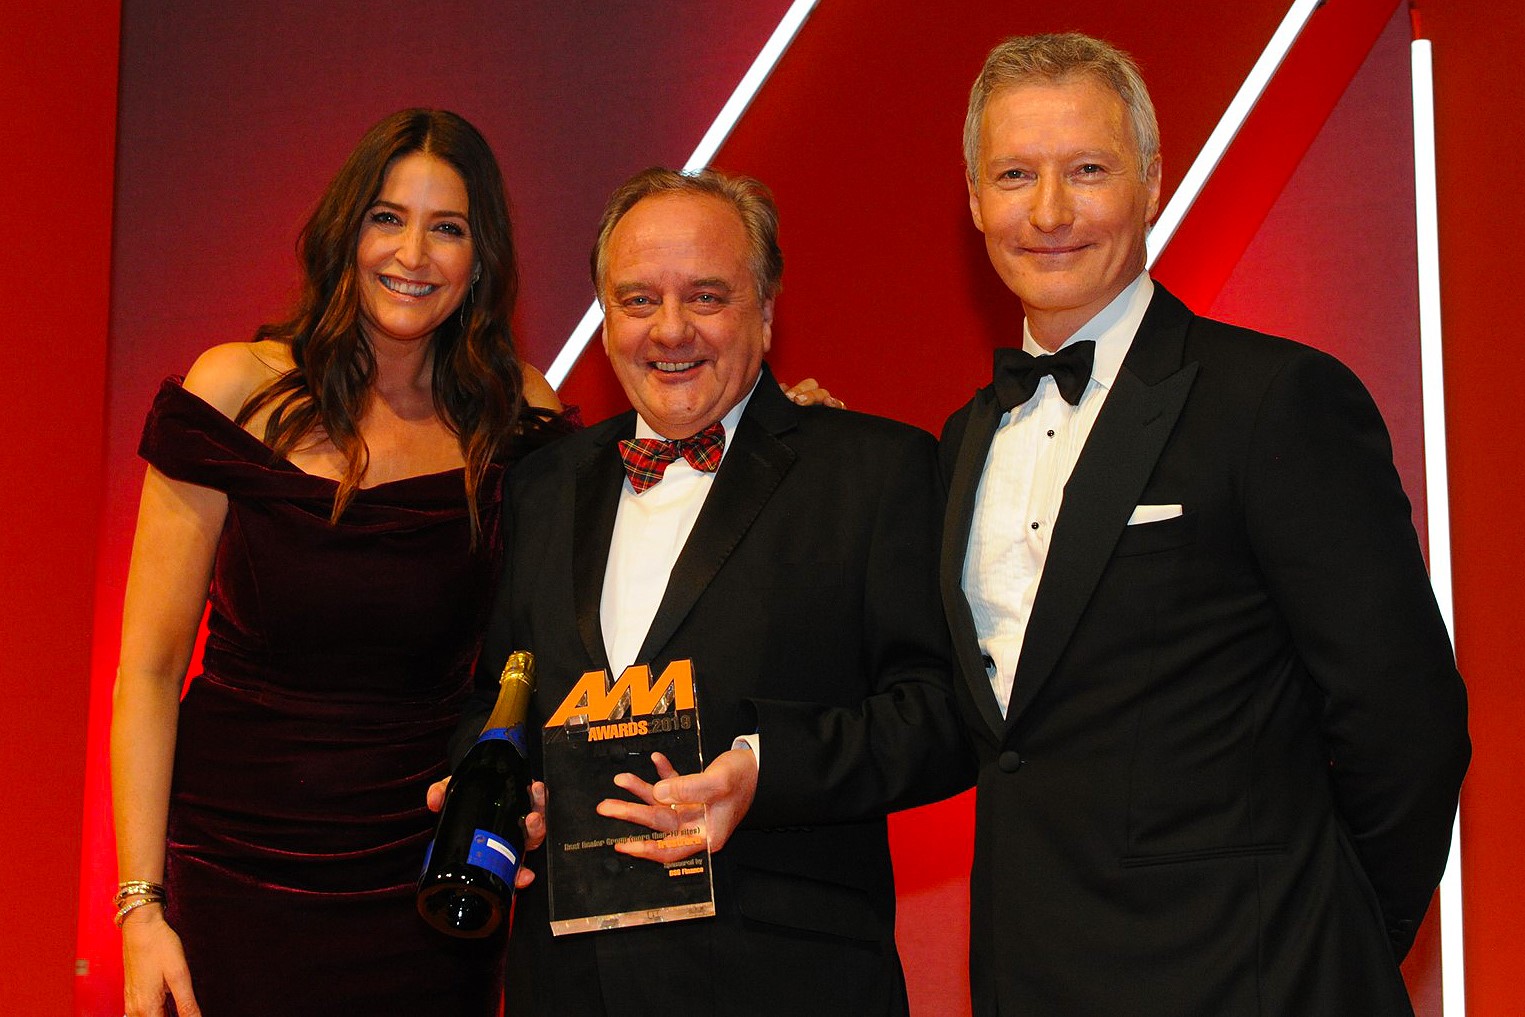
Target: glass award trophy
<point>599,731</point>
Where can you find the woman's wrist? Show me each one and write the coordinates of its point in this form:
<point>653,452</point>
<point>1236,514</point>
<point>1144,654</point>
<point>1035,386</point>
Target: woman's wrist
<point>138,912</point>
<point>136,896</point>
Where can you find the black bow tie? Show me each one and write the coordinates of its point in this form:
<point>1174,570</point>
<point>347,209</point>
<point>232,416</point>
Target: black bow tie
<point>1017,373</point>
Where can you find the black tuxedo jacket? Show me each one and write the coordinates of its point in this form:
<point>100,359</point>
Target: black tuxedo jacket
<point>1225,782</point>
<point>806,596</point>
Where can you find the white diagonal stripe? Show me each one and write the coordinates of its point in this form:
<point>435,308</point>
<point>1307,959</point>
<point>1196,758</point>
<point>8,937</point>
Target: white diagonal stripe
<point>1228,126</point>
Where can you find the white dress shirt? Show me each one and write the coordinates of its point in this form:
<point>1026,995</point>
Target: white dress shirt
<point>650,530</point>
<point>1031,456</point>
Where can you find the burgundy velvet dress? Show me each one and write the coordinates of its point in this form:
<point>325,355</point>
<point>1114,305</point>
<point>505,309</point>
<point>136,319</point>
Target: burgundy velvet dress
<point>336,661</point>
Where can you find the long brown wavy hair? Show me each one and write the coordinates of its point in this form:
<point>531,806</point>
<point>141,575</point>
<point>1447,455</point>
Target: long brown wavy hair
<point>477,383</point>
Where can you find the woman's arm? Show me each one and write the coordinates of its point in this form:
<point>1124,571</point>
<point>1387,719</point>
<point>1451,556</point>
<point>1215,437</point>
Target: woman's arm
<point>179,525</point>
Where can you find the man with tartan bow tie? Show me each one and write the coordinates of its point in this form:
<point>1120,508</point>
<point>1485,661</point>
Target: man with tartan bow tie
<point>1219,725</point>
<point>790,552</point>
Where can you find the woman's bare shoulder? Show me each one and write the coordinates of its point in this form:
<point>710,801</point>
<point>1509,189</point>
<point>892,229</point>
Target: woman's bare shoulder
<point>537,390</point>
<point>227,375</point>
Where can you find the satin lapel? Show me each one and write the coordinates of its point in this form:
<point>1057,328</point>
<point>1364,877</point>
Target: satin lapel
<point>599,479</point>
<point>751,471</point>
<point>1118,459</point>
<point>973,447</point>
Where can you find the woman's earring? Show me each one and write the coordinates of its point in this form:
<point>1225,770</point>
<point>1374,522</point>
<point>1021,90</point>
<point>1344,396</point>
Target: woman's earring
<point>476,273</point>
<point>466,302</point>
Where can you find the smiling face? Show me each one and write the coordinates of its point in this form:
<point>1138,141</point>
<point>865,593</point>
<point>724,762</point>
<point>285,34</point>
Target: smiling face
<point>414,259</point>
<point>684,326</point>
<point>1058,193</point>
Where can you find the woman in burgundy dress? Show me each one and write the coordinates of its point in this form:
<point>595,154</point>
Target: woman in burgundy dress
<point>335,485</point>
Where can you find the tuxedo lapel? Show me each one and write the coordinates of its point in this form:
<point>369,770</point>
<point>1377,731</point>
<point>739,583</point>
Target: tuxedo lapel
<point>1115,465</point>
<point>969,465</point>
<point>751,471</point>
<point>600,477</point>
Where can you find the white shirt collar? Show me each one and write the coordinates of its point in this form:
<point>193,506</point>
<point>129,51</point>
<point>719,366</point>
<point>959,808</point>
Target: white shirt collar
<point>1113,329</point>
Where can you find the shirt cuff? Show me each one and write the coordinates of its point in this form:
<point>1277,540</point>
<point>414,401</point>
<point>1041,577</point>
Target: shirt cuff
<point>753,742</point>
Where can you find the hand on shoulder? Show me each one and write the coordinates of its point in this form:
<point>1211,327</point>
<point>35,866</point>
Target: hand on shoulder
<point>227,375</point>
<point>809,392</point>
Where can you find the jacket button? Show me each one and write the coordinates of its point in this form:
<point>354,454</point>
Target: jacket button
<point>1009,761</point>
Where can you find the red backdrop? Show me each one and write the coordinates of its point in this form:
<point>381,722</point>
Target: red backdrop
<point>230,120</point>
<point>58,71</point>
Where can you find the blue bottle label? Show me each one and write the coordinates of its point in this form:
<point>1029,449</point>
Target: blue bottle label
<point>513,735</point>
<point>491,852</point>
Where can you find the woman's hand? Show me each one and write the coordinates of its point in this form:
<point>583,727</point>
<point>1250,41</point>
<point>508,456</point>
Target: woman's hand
<point>533,824</point>
<point>153,966</point>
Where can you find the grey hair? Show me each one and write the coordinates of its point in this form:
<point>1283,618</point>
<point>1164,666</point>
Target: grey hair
<point>751,200</point>
<point>1023,59</point>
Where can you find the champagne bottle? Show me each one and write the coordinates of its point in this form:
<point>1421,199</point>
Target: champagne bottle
<point>468,878</point>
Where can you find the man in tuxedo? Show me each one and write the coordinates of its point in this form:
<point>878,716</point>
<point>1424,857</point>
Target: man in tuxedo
<point>1219,726</point>
<point>799,577</point>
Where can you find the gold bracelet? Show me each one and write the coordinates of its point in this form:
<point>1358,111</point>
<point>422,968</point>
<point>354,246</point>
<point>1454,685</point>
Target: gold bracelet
<point>133,905</point>
<point>137,887</point>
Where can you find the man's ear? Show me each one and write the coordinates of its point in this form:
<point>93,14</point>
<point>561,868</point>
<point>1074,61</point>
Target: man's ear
<point>1152,181</point>
<point>974,204</point>
<point>767,317</point>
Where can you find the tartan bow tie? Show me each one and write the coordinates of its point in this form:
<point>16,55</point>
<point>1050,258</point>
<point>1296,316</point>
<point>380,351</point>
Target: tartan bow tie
<point>1017,373</point>
<point>646,459</point>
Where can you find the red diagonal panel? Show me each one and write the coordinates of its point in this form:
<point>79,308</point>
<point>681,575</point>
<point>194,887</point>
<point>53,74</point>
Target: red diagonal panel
<point>1268,148</point>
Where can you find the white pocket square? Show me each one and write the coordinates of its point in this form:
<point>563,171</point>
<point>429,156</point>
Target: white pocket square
<point>1153,514</point>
